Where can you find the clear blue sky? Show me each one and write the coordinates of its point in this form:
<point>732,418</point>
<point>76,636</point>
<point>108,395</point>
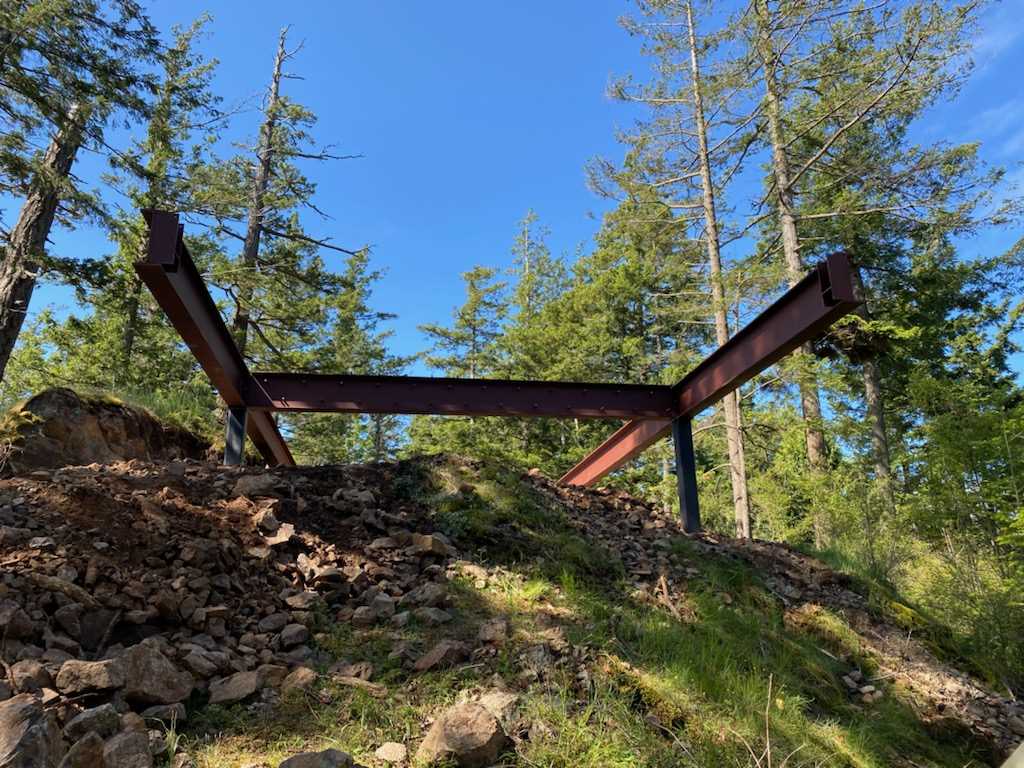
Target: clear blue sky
<point>470,113</point>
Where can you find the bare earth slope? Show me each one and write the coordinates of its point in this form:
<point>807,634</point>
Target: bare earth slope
<point>180,613</point>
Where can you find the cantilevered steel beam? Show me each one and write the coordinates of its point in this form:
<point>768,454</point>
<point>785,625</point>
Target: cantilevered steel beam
<point>172,277</point>
<point>459,397</point>
<point>802,313</point>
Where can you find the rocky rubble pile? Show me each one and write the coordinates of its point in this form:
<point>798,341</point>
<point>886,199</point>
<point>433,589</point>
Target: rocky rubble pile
<point>132,592</point>
<point>130,589</point>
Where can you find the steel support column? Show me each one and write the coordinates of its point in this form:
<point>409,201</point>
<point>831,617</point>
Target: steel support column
<point>686,473</point>
<point>234,442</point>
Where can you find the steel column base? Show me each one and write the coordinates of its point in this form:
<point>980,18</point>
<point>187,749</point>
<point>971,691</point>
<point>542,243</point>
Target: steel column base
<point>686,473</point>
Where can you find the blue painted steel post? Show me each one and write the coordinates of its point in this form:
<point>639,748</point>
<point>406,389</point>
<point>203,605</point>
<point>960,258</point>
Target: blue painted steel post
<point>234,443</point>
<point>686,473</point>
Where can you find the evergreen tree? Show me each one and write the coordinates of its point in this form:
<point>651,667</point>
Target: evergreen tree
<point>129,344</point>
<point>278,283</point>
<point>356,343</point>
<point>66,66</point>
<point>468,347</point>
<point>688,160</point>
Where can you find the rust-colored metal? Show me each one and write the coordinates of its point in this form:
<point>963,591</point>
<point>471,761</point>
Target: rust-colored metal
<point>343,393</point>
<point>806,310</point>
<point>171,275</point>
<point>803,312</point>
<point>624,444</point>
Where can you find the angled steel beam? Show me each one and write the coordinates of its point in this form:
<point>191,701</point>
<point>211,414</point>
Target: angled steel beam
<point>801,314</point>
<point>625,443</point>
<point>458,397</point>
<point>172,277</point>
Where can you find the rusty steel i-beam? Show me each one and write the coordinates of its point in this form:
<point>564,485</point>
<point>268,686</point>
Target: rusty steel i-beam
<point>651,411</point>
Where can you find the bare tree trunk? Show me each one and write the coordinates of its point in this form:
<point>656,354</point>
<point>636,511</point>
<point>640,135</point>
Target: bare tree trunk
<point>27,240</point>
<point>875,403</point>
<point>810,399</point>
<point>254,225</point>
<point>730,404</point>
<point>131,324</point>
<point>809,396</point>
<point>879,440</point>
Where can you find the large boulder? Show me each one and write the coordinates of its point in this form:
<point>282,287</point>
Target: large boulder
<point>77,677</point>
<point>467,734</point>
<point>129,749</point>
<point>29,737</point>
<point>87,752</point>
<point>151,678</point>
<point>236,687</point>
<point>59,427</point>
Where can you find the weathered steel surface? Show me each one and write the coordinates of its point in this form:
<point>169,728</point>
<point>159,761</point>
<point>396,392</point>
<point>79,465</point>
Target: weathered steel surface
<point>458,397</point>
<point>803,312</point>
<point>806,310</point>
<point>624,444</point>
<point>172,277</point>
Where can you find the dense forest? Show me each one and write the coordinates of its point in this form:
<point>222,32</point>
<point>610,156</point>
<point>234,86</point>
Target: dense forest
<point>771,133</point>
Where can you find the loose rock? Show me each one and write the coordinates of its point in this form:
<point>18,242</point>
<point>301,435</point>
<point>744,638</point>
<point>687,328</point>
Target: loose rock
<point>467,734</point>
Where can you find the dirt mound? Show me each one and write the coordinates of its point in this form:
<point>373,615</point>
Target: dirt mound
<point>135,592</point>
<point>59,428</point>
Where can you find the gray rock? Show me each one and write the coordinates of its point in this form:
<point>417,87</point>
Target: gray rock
<point>444,654</point>
<point>29,737</point>
<point>302,601</point>
<point>275,622</point>
<point>70,619</point>
<point>502,704</point>
<point>166,713</point>
<point>466,733</point>
<point>103,719</point>
<point>266,521</point>
<point>429,594</point>
<point>200,663</point>
<point>234,688</point>
<point>151,678</point>
<point>1016,724</point>
<point>77,676</point>
<point>300,679</point>
<point>30,676</point>
<point>87,752</point>
<point>493,631</point>
<point>433,544</point>
<point>255,485</point>
<point>329,758</point>
<point>292,635</point>
<point>432,616</point>
<point>16,623</point>
<point>129,749</point>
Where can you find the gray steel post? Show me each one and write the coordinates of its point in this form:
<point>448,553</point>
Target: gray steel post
<point>234,443</point>
<point>686,473</point>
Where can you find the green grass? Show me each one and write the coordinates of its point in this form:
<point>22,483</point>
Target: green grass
<point>714,687</point>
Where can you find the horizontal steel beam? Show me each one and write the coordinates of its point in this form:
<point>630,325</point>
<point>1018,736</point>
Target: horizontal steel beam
<point>801,314</point>
<point>458,397</point>
<point>170,274</point>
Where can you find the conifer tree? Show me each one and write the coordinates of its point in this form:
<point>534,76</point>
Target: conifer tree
<point>278,282</point>
<point>66,67</point>
<point>688,160</point>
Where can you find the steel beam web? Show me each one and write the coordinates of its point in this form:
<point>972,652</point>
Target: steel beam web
<point>802,313</point>
<point>170,274</point>
<point>344,393</point>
